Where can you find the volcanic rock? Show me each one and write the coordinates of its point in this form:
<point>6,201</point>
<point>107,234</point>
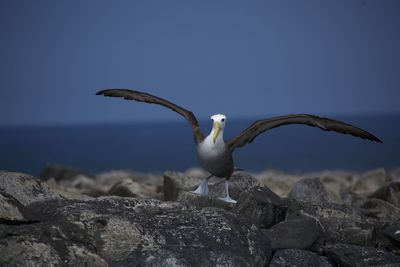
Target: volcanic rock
<point>352,255</point>
<point>339,223</point>
<point>176,182</point>
<point>262,206</point>
<point>298,233</point>
<point>312,190</point>
<point>133,231</point>
<point>389,192</point>
<point>298,258</point>
<point>59,173</point>
<point>370,181</point>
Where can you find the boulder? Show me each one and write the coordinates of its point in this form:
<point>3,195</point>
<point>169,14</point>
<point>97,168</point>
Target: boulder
<point>298,258</point>
<point>352,255</point>
<point>389,192</point>
<point>299,233</point>
<point>239,182</point>
<point>370,181</point>
<point>60,172</point>
<point>339,223</point>
<point>190,199</point>
<point>176,182</point>
<point>129,188</point>
<point>262,206</point>
<point>24,188</point>
<point>10,209</point>
<point>379,210</point>
<point>312,190</point>
<point>147,232</point>
<point>393,232</point>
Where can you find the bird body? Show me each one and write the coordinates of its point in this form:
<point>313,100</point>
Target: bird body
<point>214,154</point>
<point>215,157</point>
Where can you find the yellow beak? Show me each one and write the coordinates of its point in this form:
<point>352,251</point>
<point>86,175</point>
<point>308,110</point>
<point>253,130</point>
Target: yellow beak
<point>217,129</point>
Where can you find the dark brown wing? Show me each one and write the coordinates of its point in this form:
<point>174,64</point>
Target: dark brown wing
<point>260,126</point>
<point>148,98</point>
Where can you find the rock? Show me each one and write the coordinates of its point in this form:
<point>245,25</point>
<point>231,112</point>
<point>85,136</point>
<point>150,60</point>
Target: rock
<point>339,223</point>
<point>262,206</point>
<point>312,190</point>
<point>200,201</point>
<point>176,182</point>
<point>298,258</point>
<point>379,210</point>
<point>393,232</point>
<point>10,209</point>
<point>389,192</point>
<point>300,233</point>
<point>280,183</point>
<point>59,173</point>
<point>27,253</point>
<point>371,181</point>
<point>349,197</point>
<point>129,188</point>
<point>80,256</point>
<point>134,231</point>
<point>24,188</point>
<point>239,183</point>
<point>351,255</point>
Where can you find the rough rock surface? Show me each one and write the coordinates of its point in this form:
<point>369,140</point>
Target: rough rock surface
<point>70,219</point>
<point>351,255</point>
<point>262,206</point>
<point>135,231</point>
<point>389,192</point>
<point>339,223</point>
<point>297,233</point>
<point>298,258</point>
<point>371,181</point>
<point>312,190</point>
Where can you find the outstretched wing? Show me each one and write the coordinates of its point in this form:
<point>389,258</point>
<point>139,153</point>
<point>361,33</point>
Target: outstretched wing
<point>260,126</point>
<point>148,98</point>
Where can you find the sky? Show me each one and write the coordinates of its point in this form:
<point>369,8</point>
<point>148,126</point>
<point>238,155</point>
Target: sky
<point>240,58</point>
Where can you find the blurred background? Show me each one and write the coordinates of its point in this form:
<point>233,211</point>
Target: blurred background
<point>246,59</point>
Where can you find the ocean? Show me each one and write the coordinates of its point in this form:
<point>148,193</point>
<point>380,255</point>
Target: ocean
<point>160,146</point>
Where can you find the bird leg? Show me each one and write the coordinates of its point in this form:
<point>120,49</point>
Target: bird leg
<point>202,189</point>
<point>227,198</point>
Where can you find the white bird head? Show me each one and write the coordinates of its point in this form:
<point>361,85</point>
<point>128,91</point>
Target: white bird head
<point>218,125</point>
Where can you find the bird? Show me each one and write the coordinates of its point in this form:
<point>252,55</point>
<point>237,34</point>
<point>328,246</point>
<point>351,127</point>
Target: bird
<point>215,154</point>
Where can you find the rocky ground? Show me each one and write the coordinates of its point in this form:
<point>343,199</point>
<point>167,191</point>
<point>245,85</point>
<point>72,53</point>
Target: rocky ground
<point>68,217</point>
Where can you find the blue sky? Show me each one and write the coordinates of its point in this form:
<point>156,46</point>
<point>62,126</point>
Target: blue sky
<point>240,58</point>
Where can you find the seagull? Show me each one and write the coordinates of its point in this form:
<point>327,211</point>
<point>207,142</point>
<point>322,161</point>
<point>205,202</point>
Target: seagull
<point>214,153</point>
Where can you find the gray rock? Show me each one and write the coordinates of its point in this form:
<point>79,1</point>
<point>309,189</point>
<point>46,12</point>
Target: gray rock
<point>129,188</point>
<point>312,190</point>
<point>393,232</point>
<point>379,210</point>
<point>239,182</point>
<point>348,197</point>
<point>200,201</point>
<point>351,255</point>
<point>60,172</point>
<point>133,231</point>
<point>389,192</point>
<point>300,233</point>
<point>10,208</point>
<point>262,206</point>
<point>339,223</point>
<point>370,181</point>
<point>24,188</point>
<point>176,182</point>
<point>298,258</point>
<point>19,252</point>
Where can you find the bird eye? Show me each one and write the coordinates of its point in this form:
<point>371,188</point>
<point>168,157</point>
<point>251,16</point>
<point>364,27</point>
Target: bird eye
<point>223,120</point>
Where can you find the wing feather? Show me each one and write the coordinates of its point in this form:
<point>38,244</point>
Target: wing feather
<point>151,99</point>
<point>326,124</point>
